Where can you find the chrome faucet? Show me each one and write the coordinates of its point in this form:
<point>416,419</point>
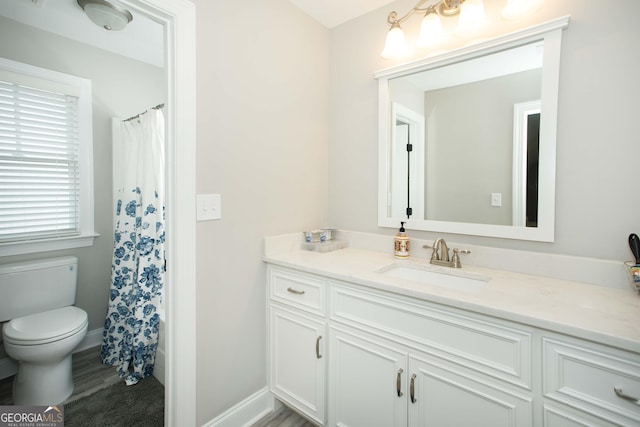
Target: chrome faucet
<point>440,255</point>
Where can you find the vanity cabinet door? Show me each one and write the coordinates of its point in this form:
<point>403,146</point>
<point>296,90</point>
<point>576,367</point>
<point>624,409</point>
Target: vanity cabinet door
<point>367,381</point>
<point>444,395</point>
<point>298,362</point>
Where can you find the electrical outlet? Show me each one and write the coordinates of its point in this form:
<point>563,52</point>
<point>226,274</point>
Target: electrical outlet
<point>496,199</point>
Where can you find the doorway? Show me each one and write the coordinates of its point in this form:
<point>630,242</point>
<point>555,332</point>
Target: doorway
<point>178,19</point>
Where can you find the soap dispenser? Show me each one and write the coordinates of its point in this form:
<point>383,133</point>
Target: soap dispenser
<point>401,243</point>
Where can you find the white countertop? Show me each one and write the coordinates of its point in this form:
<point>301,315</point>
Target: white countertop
<point>601,314</point>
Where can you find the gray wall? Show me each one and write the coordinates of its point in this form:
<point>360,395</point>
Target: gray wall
<point>596,205</point>
<point>470,147</point>
<point>262,85</point>
<point>121,87</point>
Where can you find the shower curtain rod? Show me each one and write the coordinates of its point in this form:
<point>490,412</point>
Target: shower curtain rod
<point>157,107</point>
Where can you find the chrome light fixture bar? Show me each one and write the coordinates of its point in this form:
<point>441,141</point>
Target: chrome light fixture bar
<point>105,14</point>
<point>472,18</point>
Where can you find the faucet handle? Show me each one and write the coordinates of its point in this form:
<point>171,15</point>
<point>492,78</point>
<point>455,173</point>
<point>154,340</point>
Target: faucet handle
<point>434,254</point>
<point>456,256</point>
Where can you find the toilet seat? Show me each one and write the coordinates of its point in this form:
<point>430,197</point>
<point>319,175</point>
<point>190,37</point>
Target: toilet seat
<point>45,327</point>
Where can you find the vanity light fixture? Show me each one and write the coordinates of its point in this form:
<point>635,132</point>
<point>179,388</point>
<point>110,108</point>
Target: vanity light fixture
<point>472,18</point>
<point>105,14</point>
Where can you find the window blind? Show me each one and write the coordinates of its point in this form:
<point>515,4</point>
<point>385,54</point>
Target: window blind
<point>39,163</point>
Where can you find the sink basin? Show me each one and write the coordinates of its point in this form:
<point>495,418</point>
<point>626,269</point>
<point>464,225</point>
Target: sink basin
<point>455,279</point>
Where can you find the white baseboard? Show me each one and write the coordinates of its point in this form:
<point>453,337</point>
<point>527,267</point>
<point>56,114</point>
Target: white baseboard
<point>159,366</point>
<point>247,412</point>
<point>93,338</point>
<point>8,367</point>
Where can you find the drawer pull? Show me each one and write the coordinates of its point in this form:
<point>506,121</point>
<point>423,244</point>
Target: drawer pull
<point>399,382</point>
<point>619,392</point>
<point>318,355</point>
<point>295,291</point>
<point>412,388</point>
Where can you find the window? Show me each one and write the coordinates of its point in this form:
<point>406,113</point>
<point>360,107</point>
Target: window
<point>46,160</point>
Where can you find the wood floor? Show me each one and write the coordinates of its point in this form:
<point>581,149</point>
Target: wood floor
<point>284,417</point>
<point>89,375</point>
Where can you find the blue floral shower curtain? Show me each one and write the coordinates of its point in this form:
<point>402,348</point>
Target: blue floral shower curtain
<point>130,336</point>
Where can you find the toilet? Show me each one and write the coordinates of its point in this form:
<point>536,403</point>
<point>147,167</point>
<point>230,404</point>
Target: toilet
<point>42,327</point>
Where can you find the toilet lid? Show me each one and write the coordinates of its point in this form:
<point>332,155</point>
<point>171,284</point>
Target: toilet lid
<point>46,326</point>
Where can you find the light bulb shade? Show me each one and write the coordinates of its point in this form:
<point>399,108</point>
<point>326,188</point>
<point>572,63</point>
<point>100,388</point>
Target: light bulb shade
<point>518,8</point>
<point>395,46</point>
<point>431,33</point>
<point>472,16</point>
<point>105,14</point>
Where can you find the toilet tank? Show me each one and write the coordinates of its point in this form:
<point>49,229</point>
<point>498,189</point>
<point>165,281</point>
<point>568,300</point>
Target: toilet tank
<point>31,287</point>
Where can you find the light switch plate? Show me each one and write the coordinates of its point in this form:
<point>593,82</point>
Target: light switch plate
<point>209,207</point>
<point>496,199</point>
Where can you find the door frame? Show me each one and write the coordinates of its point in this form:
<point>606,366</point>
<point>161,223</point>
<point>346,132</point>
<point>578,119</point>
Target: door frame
<point>179,21</point>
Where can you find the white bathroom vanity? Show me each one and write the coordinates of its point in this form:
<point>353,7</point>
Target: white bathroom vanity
<point>351,345</point>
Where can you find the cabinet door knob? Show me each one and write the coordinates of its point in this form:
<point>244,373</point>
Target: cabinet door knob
<point>318,355</point>
<point>399,382</point>
<point>412,388</point>
<point>295,291</point>
<point>621,394</point>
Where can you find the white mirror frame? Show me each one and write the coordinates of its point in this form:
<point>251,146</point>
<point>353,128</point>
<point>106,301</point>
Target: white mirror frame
<point>551,33</point>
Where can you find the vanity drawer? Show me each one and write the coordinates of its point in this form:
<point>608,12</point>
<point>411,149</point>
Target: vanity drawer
<point>585,377</point>
<point>500,351</point>
<point>298,290</point>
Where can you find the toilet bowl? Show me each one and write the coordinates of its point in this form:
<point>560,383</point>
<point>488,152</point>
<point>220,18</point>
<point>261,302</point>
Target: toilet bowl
<point>42,344</point>
<point>42,327</point>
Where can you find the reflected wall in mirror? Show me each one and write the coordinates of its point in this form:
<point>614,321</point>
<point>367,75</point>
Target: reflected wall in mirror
<point>467,138</point>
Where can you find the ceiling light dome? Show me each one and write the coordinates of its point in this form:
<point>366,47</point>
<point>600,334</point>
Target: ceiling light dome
<point>106,14</point>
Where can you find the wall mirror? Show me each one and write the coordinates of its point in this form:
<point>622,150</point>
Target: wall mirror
<point>467,138</point>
